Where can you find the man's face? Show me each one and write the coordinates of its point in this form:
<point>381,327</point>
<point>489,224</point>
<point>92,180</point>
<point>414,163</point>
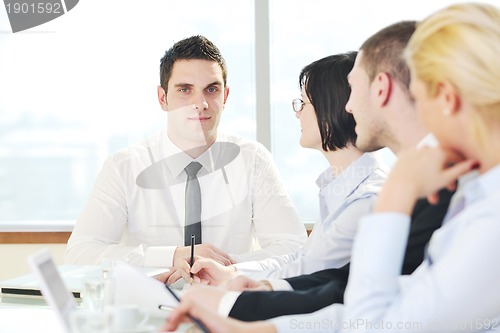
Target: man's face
<point>362,105</point>
<point>194,101</point>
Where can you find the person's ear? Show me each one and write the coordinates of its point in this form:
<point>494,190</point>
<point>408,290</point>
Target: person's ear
<point>162,98</point>
<point>226,93</point>
<point>382,84</point>
<point>449,98</point>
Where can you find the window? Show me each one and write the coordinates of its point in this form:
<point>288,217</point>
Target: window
<point>78,88</point>
<point>305,31</point>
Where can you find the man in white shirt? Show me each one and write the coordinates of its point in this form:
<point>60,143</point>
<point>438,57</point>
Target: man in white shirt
<point>136,210</point>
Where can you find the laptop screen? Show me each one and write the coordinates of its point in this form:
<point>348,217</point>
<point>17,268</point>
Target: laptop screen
<point>56,284</point>
<point>53,289</point>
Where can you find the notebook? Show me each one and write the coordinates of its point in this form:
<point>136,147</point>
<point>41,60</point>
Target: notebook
<point>74,277</point>
<point>28,285</point>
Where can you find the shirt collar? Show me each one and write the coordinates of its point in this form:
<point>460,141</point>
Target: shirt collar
<point>350,178</point>
<point>476,187</point>
<point>178,159</point>
<point>428,141</point>
<point>325,178</point>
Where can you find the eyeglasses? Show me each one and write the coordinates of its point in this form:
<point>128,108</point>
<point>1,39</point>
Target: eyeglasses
<point>298,104</point>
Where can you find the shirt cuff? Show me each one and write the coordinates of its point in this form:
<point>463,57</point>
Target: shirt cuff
<point>379,244</point>
<point>279,284</point>
<point>159,256</point>
<point>248,267</point>
<point>236,257</point>
<point>227,302</point>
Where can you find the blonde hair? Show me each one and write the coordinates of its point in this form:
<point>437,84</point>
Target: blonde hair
<point>461,44</point>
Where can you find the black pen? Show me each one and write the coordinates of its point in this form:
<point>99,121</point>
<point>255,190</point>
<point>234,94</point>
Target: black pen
<point>197,322</point>
<point>193,238</point>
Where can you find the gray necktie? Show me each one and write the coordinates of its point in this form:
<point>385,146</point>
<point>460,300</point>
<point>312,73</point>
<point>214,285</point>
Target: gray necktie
<point>193,204</point>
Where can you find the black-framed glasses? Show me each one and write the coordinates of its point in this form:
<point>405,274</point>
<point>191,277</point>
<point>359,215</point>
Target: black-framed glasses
<point>298,104</point>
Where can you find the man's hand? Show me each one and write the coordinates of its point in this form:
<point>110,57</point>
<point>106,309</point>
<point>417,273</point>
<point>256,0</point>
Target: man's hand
<point>203,294</point>
<point>182,260</point>
<point>420,173</point>
<point>202,250</point>
<point>194,306</point>
<point>244,283</point>
<point>208,271</point>
<point>169,277</point>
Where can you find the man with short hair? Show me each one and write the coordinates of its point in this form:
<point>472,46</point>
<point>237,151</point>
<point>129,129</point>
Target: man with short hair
<point>189,180</point>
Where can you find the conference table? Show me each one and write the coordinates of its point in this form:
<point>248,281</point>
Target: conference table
<point>30,314</point>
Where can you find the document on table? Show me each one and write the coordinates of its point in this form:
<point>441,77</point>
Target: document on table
<point>131,286</point>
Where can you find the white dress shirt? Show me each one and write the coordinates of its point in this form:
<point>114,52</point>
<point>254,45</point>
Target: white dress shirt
<point>343,200</point>
<point>454,290</point>
<point>136,208</point>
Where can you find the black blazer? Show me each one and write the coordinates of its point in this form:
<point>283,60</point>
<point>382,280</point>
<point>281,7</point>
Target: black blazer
<point>318,290</point>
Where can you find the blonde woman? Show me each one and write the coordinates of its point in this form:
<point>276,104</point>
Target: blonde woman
<point>453,58</point>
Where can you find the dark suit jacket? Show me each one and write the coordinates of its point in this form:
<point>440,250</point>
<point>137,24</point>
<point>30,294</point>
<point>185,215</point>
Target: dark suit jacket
<point>315,291</point>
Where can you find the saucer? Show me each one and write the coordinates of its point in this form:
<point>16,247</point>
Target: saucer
<point>141,329</point>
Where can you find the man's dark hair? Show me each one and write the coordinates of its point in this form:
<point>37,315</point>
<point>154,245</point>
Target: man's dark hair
<point>326,86</point>
<point>196,47</point>
<point>383,52</point>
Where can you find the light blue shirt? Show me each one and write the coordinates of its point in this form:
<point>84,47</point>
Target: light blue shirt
<point>458,292</point>
<point>343,200</point>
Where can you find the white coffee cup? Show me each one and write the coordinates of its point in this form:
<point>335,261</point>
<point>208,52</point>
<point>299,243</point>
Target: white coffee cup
<point>128,318</point>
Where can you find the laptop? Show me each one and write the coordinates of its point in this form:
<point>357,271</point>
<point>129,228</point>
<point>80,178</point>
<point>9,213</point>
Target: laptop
<point>28,286</point>
<point>52,286</point>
